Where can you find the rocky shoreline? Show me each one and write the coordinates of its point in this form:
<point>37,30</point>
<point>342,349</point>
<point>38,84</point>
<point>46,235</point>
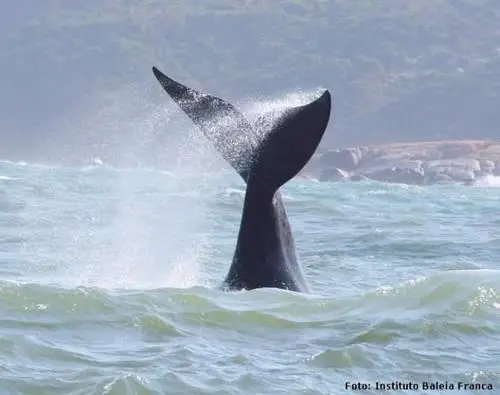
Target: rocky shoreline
<point>419,163</point>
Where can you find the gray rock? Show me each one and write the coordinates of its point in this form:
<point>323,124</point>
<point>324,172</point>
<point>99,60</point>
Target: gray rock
<point>436,177</point>
<point>400,175</point>
<point>333,175</point>
<point>487,166</point>
<point>458,163</point>
<point>461,175</point>
<point>347,159</point>
<point>454,150</point>
<point>358,177</point>
<point>457,170</point>
<point>493,150</point>
<point>390,161</point>
<point>413,163</point>
<point>440,175</point>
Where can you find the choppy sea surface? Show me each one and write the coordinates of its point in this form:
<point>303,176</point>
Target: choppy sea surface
<point>108,285</point>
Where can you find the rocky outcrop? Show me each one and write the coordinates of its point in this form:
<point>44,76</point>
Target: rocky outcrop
<point>421,163</point>
<point>334,174</point>
<point>346,159</point>
<point>397,174</point>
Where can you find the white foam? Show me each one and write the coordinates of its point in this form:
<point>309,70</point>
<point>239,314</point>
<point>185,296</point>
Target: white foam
<point>488,181</point>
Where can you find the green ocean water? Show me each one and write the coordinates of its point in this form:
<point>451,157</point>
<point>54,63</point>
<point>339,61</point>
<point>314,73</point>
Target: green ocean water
<point>108,285</point>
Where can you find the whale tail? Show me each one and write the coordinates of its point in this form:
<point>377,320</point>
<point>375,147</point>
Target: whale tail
<point>291,143</point>
<point>270,160</point>
<point>220,122</point>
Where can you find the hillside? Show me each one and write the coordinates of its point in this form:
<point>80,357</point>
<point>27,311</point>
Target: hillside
<point>399,71</point>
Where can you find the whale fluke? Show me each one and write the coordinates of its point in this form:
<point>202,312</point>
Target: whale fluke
<point>220,122</point>
<point>287,148</point>
<point>265,254</point>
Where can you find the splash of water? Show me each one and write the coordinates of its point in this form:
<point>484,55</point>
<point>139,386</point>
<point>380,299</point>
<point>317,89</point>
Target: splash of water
<point>128,227</point>
<point>257,107</point>
<point>153,237</point>
<point>488,181</point>
<point>265,113</point>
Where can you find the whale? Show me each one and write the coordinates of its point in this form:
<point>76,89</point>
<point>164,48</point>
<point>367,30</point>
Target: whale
<point>266,156</point>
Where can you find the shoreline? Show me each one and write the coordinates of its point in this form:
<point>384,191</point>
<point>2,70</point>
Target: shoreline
<point>415,163</point>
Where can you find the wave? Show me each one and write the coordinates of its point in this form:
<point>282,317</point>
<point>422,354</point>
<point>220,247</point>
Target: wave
<point>487,181</point>
<point>470,292</point>
<point>88,329</point>
<point>97,165</point>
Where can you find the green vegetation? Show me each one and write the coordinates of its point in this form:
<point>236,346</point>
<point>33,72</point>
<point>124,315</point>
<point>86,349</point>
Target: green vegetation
<point>399,70</point>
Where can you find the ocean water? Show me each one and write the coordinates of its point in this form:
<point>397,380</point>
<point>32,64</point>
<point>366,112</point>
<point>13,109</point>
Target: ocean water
<point>108,286</point>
